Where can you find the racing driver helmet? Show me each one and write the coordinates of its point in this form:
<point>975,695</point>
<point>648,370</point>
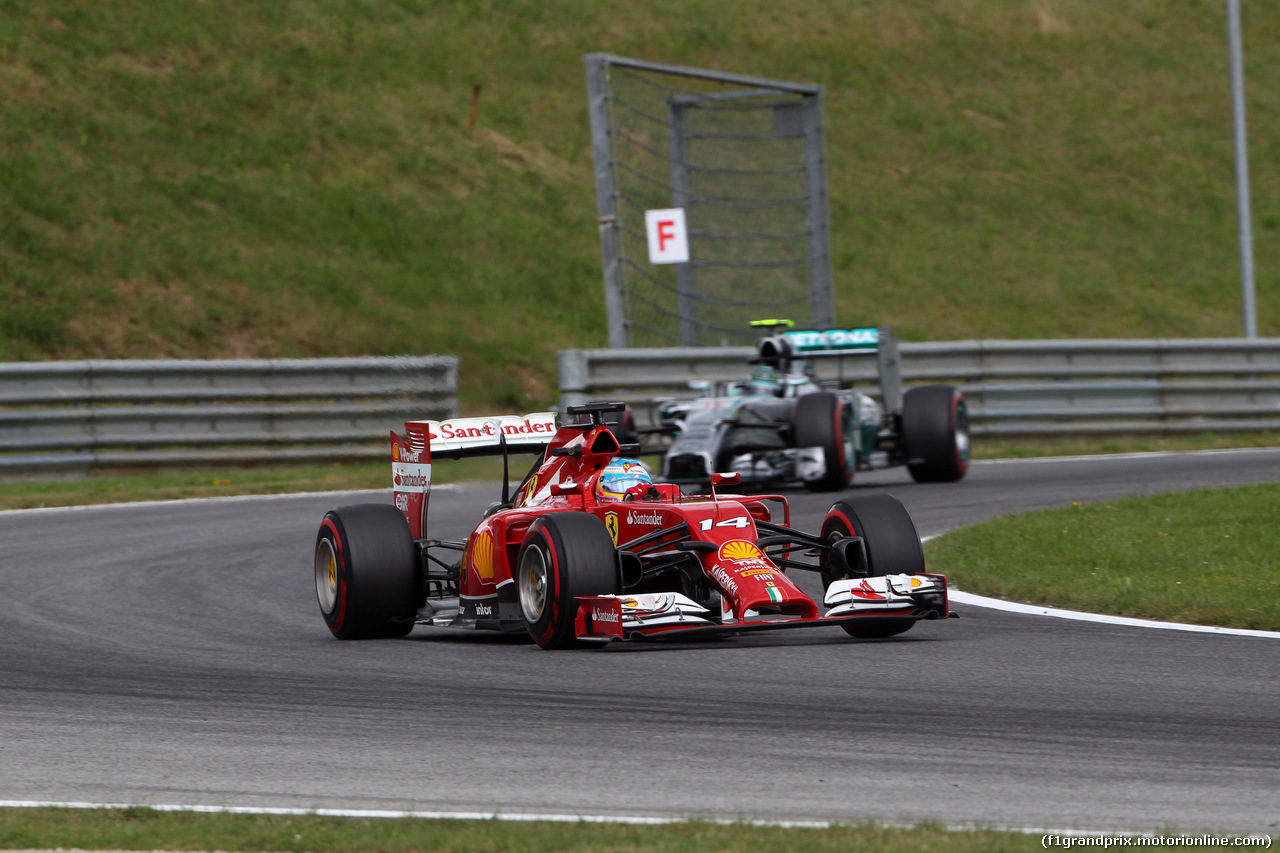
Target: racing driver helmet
<point>764,380</point>
<point>619,476</point>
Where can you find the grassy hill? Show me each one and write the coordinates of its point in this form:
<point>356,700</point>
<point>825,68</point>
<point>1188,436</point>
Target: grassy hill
<point>211,178</point>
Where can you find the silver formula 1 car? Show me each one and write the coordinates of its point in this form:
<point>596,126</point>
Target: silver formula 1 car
<point>785,424</point>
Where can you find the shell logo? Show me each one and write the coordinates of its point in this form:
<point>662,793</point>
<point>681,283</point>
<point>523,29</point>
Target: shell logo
<point>482,555</point>
<point>395,452</point>
<point>739,549</point>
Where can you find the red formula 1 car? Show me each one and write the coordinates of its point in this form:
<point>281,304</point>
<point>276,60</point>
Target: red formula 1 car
<point>569,567</point>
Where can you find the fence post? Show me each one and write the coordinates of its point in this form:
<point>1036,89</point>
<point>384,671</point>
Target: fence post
<point>815,161</point>
<point>686,287</point>
<point>606,205</point>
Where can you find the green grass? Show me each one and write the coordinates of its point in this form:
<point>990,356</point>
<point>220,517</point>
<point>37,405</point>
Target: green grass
<point>145,829</point>
<point>1206,557</point>
<point>208,483</point>
<point>298,178</point>
<point>1084,445</point>
<point>114,487</point>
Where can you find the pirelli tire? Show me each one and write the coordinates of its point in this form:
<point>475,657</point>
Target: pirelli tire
<point>367,572</point>
<point>623,425</point>
<point>892,545</point>
<point>826,420</point>
<point>564,555</point>
<point>935,433</point>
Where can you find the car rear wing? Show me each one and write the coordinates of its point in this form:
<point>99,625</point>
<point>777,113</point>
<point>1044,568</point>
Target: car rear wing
<point>457,438</point>
<point>794,345</point>
<point>812,344</point>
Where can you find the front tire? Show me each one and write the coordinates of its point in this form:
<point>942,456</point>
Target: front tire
<point>935,433</point>
<point>367,573</point>
<point>824,420</point>
<point>892,544</point>
<point>564,555</point>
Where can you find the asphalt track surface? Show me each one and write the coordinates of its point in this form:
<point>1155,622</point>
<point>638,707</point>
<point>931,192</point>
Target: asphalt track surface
<point>173,653</point>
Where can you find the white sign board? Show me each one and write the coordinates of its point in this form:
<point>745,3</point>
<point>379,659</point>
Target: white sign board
<point>668,240</point>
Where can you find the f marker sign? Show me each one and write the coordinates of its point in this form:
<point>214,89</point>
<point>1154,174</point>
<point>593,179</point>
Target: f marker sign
<point>668,240</point>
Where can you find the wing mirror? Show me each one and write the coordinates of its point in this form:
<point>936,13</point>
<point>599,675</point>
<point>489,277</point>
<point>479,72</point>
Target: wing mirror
<point>724,480</point>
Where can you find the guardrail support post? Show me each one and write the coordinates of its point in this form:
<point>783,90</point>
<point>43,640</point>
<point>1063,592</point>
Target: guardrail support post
<point>574,378</point>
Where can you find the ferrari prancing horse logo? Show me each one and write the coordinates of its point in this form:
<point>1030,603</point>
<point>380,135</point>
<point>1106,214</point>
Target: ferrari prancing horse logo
<point>611,524</point>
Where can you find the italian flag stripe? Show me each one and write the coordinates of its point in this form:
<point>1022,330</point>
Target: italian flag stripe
<point>775,594</point>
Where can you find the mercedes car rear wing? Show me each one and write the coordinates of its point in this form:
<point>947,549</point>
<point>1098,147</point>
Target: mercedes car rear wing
<point>807,344</point>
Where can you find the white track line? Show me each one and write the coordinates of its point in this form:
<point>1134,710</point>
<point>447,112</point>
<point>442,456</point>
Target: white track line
<point>958,597</point>
<point>552,817</point>
<point>221,499</point>
<point>1139,454</point>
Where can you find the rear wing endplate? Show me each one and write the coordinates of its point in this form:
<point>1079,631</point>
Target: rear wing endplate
<point>457,438</point>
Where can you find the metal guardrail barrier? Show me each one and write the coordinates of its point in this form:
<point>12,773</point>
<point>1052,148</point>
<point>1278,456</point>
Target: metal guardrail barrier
<point>75,416</point>
<point>1013,388</point>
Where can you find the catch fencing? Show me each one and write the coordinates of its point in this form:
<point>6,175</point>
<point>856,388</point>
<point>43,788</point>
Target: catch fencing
<point>1013,388</point>
<point>72,417</point>
<point>744,158</point>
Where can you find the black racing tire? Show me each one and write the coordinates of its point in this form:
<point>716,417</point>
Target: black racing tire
<point>564,555</point>
<point>824,420</point>
<point>623,425</point>
<point>367,572</point>
<point>935,433</point>
<point>892,543</point>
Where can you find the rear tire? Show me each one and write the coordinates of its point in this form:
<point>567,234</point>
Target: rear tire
<point>623,426</point>
<point>564,555</point>
<point>893,547</point>
<point>367,573</point>
<point>935,433</point>
<point>824,420</point>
